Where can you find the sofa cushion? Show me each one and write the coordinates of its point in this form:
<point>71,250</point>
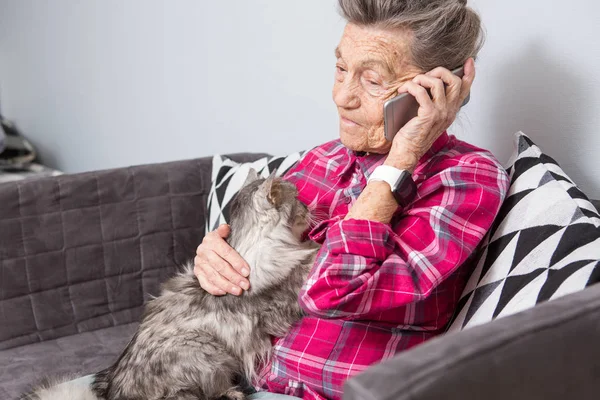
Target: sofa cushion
<point>76,355</point>
<point>544,244</point>
<point>228,176</point>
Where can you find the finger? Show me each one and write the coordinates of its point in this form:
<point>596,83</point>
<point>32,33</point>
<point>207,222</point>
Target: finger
<point>226,270</point>
<point>221,233</point>
<point>420,93</point>
<point>436,85</point>
<point>223,230</point>
<point>215,241</point>
<point>214,278</point>
<point>199,262</point>
<point>453,82</point>
<point>228,253</point>
<point>206,285</point>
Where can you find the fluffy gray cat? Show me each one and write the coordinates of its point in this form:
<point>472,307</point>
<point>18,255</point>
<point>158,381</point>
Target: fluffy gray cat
<point>192,345</point>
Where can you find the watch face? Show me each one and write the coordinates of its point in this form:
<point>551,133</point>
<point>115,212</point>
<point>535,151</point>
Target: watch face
<point>405,190</point>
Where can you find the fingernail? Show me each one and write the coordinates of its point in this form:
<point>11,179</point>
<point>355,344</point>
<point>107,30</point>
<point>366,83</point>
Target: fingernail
<point>244,285</point>
<point>245,272</point>
<point>236,290</point>
<point>221,292</point>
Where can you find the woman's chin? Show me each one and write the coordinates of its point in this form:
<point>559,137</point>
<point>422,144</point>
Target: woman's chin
<point>353,141</point>
<point>356,141</point>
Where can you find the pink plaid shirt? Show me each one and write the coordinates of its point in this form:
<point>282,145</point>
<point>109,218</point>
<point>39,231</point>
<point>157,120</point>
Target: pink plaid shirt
<point>378,289</point>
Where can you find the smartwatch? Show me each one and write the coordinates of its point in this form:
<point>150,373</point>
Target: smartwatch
<point>403,187</point>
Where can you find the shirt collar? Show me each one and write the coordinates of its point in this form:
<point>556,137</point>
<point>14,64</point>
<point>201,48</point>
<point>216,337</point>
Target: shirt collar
<point>438,145</point>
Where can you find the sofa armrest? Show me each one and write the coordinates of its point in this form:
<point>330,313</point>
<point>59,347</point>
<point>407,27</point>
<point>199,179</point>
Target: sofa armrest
<point>81,252</point>
<point>548,352</point>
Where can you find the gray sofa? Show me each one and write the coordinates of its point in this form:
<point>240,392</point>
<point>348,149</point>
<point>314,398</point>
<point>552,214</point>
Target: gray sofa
<point>79,255</point>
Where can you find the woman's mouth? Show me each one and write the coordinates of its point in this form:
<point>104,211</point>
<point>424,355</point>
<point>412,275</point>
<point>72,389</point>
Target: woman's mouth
<point>348,122</point>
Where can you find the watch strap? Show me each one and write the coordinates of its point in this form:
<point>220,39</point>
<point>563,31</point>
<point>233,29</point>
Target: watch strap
<point>401,183</point>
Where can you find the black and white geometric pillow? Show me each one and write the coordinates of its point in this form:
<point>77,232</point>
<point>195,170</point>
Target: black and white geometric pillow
<point>228,177</point>
<point>544,243</point>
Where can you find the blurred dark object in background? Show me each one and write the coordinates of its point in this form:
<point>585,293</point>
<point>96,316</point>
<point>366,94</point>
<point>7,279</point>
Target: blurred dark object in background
<point>15,151</point>
<point>18,157</point>
<point>2,136</point>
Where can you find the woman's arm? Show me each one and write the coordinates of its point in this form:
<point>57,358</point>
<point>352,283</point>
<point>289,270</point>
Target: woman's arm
<point>437,111</point>
<point>367,267</point>
<point>376,202</point>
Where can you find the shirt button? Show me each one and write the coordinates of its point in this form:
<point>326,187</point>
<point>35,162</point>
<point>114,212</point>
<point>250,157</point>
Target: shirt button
<point>348,200</point>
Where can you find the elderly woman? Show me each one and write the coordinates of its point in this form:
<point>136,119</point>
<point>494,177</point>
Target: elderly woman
<point>393,261</point>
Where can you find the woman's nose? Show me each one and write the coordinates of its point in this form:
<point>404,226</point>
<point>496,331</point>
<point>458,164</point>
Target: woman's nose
<point>345,95</point>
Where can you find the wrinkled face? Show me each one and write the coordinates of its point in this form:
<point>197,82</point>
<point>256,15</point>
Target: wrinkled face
<point>263,205</point>
<point>371,64</point>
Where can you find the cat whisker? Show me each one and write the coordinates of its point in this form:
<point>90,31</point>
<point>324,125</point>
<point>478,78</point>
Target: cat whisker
<point>314,218</point>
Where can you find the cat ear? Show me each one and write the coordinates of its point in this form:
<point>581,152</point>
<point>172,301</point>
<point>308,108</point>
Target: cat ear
<point>252,176</point>
<point>273,190</point>
<point>273,175</point>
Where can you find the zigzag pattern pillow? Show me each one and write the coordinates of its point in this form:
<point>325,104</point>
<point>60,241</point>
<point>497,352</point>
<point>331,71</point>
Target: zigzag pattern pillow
<point>544,244</point>
<point>228,177</point>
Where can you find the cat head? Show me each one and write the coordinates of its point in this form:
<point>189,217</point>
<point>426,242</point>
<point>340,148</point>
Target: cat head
<point>264,206</point>
<point>267,222</point>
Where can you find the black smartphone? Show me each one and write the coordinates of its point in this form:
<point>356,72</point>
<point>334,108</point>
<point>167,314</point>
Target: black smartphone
<point>401,109</point>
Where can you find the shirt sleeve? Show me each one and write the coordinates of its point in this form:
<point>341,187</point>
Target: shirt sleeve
<point>366,268</point>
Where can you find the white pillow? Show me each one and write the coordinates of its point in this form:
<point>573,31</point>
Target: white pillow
<point>228,177</point>
<point>544,243</point>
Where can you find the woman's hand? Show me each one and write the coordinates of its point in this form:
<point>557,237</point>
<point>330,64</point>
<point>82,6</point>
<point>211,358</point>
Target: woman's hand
<point>434,115</point>
<point>218,267</point>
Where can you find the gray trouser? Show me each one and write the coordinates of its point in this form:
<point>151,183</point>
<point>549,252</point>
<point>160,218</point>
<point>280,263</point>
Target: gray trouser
<point>87,380</point>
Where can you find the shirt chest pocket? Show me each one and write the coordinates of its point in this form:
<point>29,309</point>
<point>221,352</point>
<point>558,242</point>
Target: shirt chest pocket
<point>349,195</point>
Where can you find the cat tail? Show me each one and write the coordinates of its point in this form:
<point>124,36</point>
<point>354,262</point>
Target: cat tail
<point>64,389</point>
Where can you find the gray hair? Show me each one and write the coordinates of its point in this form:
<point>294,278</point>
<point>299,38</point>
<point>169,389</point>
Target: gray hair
<point>443,32</point>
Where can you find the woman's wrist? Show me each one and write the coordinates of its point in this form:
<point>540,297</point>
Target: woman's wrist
<point>376,203</point>
<point>405,162</point>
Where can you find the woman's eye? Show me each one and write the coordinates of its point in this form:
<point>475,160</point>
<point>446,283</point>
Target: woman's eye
<point>340,69</point>
<point>371,79</point>
<point>372,82</point>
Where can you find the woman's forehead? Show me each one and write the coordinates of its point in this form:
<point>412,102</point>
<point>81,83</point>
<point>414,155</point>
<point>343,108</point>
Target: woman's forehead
<point>361,44</point>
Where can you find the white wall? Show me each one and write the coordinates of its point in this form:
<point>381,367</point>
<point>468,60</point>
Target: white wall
<point>106,83</point>
<point>103,83</point>
<point>539,73</point>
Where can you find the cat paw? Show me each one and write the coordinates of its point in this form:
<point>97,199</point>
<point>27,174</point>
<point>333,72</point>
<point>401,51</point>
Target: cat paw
<point>233,394</point>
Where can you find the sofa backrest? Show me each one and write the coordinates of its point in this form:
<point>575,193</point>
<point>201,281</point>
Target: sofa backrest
<point>82,252</point>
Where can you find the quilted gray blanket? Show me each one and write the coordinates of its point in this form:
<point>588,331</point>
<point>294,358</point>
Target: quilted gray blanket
<point>79,255</point>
